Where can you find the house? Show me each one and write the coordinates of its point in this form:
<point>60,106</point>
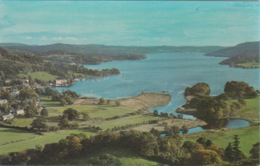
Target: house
<point>4,101</point>
<point>20,112</point>
<point>7,117</point>
<point>61,82</point>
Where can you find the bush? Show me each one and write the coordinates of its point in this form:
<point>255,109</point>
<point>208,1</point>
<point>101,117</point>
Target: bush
<point>105,160</point>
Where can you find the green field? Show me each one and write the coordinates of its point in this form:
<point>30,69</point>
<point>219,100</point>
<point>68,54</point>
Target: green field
<point>22,122</point>
<point>248,65</point>
<point>136,119</point>
<point>46,101</point>
<point>94,111</point>
<point>248,136</point>
<point>126,157</point>
<point>9,135</point>
<point>250,112</point>
<point>43,76</point>
<point>31,140</point>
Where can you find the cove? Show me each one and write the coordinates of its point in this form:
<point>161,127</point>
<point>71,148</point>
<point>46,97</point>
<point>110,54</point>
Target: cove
<point>232,124</point>
<point>172,72</point>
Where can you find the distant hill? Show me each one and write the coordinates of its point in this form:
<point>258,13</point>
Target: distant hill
<point>14,62</point>
<point>245,55</point>
<point>95,54</point>
<point>94,49</point>
<point>243,49</point>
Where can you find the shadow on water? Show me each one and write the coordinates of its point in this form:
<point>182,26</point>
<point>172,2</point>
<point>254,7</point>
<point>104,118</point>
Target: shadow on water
<point>224,123</point>
<point>216,124</point>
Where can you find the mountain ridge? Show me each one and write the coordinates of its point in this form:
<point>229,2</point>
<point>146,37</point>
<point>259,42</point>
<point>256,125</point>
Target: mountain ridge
<point>244,55</point>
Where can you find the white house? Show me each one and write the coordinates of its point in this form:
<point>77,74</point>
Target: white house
<point>61,82</point>
<point>3,101</point>
<point>20,112</point>
<point>7,117</point>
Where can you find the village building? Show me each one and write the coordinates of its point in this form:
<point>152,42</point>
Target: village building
<point>20,112</point>
<point>61,82</point>
<point>7,117</point>
<point>4,101</point>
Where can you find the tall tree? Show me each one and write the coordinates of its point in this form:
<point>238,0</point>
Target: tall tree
<point>44,112</point>
<point>229,154</point>
<point>39,124</point>
<point>71,113</point>
<point>238,154</point>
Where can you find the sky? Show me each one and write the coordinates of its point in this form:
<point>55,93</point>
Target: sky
<point>129,23</point>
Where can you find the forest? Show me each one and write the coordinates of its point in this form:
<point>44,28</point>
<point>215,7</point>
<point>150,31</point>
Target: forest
<point>14,63</point>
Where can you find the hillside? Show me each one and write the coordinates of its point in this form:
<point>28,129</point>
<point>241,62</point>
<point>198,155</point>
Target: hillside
<point>245,55</point>
<point>95,54</point>
<point>16,63</point>
<point>243,49</point>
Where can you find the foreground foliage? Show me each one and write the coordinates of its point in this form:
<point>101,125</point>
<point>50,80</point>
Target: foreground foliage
<point>168,150</point>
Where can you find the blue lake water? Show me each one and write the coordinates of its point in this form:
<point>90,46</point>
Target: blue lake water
<point>164,71</point>
<point>232,124</point>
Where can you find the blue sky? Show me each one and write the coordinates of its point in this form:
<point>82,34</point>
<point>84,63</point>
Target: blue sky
<point>129,22</point>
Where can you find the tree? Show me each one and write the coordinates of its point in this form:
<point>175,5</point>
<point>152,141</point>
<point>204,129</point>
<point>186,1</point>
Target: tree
<point>71,113</point>
<point>5,94</point>
<point>71,94</point>
<point>105,160</point>
<point>229,154</point>
<point>44,112</point>
<point>255,151</point>
<point>155,132</point>
<point>155,113</point>
<point>180,116</point>
<point>49,91</point>
<point>118,103</point>
<point>184,130</point>
<point>198,89</point>
<point>208,143</point>
<point>191,146</point>
<point>175,130</point>
<point>27,93</point>
<point>201,140</point>
<point>39,124</point>
<point>232,151</point>
<point>101,101</point>
<point>63,102</point>
<point>238,155</point>
<point>236,89</point>
<point>73,143</point>
<point>64,122</point>
<point>205,157</point>
<point>30,110</point>
<point>108,102</point>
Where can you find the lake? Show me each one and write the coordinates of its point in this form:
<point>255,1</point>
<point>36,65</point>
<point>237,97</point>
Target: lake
<point>163,71</point>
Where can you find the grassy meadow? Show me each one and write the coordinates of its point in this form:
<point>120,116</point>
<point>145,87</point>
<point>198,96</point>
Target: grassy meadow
<point>130,120</point>
<point>250,111</point>
<point>248,65</point>
<point>43,76</point>
<point>9,135</point>
<point>31,140</point>
<point>248,136</point>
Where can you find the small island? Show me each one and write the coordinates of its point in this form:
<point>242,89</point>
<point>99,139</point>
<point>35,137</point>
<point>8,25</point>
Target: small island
<point>236,101</point>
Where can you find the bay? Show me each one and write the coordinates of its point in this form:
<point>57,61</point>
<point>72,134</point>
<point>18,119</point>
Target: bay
<point>163,71</point>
